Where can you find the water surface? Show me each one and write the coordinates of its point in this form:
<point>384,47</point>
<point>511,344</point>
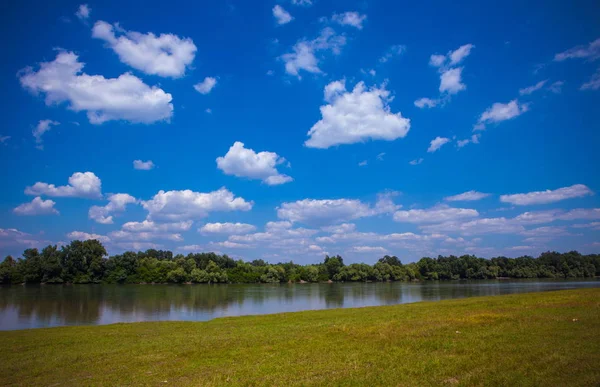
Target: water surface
<point>35,306</point>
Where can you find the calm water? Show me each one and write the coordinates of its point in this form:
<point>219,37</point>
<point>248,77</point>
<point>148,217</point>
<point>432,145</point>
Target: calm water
<point>24,307</point>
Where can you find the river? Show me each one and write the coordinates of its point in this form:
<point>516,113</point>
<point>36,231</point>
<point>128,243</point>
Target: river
<point>36,306</point>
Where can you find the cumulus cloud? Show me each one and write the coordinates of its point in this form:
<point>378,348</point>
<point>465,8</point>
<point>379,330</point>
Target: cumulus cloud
<point>166,55</point>
<point>303,56</point>
<point>83,12</point>
<point>227,228</point>
<point>143,165</point>
<point>281,15</point>
<point>81,184</point>
<point>357,116</point>
<point>116,203</point>
<point>104,99</point>
<point>532,89</point>
<point>437,143</point>
<point>393,51</point>
<point>84,236</point>
<point>547,196</point>
<point>438,214</point>
<point>37,207</point>
<point>187,204</point>
<point>426,102</point>
<point>451,81</point>
<point>206,85</point>
<point>332,211</point>
<point>416,161</point>
<point>467,196</point>
<point>42,127</point>
<point>590,51</point>
<point>243,162</point>
<point>353,19</point>
<point>499,112</point>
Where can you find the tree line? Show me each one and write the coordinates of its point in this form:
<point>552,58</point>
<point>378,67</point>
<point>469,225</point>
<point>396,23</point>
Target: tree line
<point>83,262</point>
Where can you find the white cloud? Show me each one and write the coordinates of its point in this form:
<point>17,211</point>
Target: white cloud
<point>593,83</point>
<point>451,81</point>
<point>476,227</point>
<point>546,231</point>
<point>244,162</point>
<point>37,207</point>
<point>122,235</point>
<point>450,76</point>
<point>380,156</point>
<point>117,203</point>
<point>363,163</point>
<point>306,3</point>
<point>187,204</point>
<point>416,161</point>
<point>499,112</point>
<point>42,127</point>
<point>531,89</point>
<point>83,12</point>
<point>304,52</point>
<point>467,196</point>
<point>474,140</point>
<point>84,236</point>
<point>437,60</point>
<point>281,15</point>
<point>81,184</point>
<point>3,139</point>
<point>123,98</point>
<point>149,226</point>
<point>437,143</point>
<point>592,225</point>
<point>343,228</point>
<point>227,228</point>
<point>426,102</point>
<point>547,196</point>
<point>438,214</point>
<point>395,50</point>
<point>206,85</point>
<point>232,245</point>
<point>459,54</point>
<point>368,249</point>
<point>166,55</point>
<point>452,58</point>
<point>332,211</point>
<point>353,19</point>
<point>357,116</point>
<point>143,165</point>
<point>556,87</point>
<point>591,51</point>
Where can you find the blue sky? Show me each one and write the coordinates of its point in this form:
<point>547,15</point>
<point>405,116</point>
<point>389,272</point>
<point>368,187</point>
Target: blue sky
<point>291,129</point>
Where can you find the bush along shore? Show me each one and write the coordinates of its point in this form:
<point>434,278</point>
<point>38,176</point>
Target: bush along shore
<point>86,262</point>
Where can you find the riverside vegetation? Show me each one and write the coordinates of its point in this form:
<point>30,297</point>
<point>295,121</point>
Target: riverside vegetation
<point>87,262</point>
<point>533,339</point>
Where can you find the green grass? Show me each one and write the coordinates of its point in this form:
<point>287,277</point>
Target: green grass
<point>517,340</point>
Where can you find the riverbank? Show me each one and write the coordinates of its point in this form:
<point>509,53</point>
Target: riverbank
<point>549,338</point>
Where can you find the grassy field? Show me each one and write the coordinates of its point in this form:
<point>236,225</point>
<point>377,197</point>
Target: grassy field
<point>550,338</point>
